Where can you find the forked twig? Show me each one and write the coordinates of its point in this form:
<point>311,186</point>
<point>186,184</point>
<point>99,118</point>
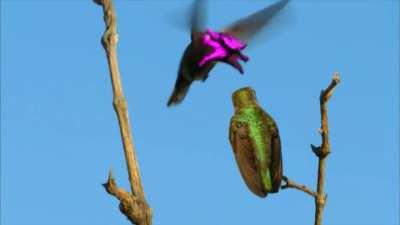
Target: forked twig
<point>321,152</point>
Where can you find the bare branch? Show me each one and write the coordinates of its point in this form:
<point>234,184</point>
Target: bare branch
<point>291,184</point>
<point>322,151</point>
<point>133,204</point>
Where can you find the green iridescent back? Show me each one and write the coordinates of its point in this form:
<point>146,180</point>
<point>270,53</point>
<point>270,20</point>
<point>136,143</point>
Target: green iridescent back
<point>259,144</point>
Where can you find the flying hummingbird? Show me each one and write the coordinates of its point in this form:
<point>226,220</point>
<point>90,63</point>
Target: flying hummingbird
<point>255,141</point>
<point>207,47</point>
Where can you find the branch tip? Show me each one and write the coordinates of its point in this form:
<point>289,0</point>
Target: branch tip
<point>110,177</point>
<point>326,94</point>
<point>336,78</point>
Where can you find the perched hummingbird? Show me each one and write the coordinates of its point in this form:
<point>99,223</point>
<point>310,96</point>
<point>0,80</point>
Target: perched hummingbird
<point>207,47</point>
<point>255,141</point>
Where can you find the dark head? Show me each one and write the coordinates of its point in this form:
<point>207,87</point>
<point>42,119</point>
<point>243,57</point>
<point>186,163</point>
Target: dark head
<point>244,97</point>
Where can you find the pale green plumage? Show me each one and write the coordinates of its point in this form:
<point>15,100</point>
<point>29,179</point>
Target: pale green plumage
<point>253,117</point>
<point>255,141</point>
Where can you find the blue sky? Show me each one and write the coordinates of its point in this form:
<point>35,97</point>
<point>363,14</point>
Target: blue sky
<point>59,134</point>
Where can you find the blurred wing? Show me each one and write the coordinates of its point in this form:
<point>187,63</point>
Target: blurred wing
<point>244,154</point>
<point>248,27</point>
<point>197,17</point>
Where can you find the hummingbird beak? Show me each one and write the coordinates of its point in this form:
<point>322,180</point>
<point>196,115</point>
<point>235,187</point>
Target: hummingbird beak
<point>233,61</point>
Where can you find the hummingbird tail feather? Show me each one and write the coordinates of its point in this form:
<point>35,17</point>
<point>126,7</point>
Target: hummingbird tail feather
<point>181,88</point>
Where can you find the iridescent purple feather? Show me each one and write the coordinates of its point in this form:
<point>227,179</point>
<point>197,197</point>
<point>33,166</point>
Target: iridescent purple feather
<point>225,48</point>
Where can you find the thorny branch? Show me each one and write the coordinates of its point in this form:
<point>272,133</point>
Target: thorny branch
<point>133,205</point>
<point>321,152</point>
